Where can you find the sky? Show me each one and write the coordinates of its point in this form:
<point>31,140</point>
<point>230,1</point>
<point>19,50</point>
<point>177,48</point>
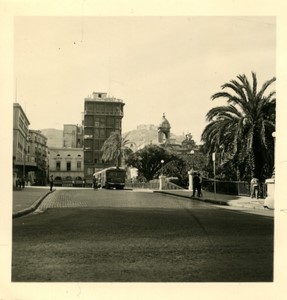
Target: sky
<point>156,65</point>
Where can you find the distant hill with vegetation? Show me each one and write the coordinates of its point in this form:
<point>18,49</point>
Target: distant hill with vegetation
<point>141,136</point>
<point>147,134</point>
<point>54,136</point>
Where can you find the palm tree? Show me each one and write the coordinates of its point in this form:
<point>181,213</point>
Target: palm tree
<point>115,148</point>
<point>242,130</point>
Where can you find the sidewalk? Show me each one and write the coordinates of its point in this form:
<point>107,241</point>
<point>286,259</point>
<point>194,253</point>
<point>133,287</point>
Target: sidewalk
<point>242,203</point>
<point>28,199</point>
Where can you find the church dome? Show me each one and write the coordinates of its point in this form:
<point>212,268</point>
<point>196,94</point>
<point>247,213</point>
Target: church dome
<point>164,123</point>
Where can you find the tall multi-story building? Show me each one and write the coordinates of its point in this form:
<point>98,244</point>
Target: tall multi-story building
<point>29,149</point>
<point>22,164</point>
<point>37,152</point>
<point>102,116</point>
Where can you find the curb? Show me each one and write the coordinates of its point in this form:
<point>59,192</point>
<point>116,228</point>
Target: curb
<point>32,208</point>
<point>212,201</point>
<point>218,202</point>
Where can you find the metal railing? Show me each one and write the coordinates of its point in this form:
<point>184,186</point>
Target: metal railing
<point>239,188</point>
<point>143,185</point>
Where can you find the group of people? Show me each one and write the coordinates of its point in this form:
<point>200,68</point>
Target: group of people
<point>20,183</point>
<point>197,186</point>
<point>197,183</point>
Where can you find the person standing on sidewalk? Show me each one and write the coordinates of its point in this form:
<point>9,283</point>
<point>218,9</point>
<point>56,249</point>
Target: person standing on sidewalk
<point>51,182</point>
<point>95,183</point>
<point>254,184</point>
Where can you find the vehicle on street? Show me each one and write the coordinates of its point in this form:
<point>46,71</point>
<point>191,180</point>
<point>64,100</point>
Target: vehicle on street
<point>112,177</point>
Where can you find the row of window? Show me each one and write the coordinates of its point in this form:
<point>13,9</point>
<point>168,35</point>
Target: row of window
<point>103,107</point>
<point>79,155</point>
<point>68,166</point>
<point>102,122</point>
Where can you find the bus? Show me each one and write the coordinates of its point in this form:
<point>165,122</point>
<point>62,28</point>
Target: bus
<point>111,178</point>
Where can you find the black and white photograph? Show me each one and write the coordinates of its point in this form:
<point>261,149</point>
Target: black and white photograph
<point>143,150</point>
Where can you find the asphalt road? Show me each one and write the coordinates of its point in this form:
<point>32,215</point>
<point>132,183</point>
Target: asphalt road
<point>125,236</point>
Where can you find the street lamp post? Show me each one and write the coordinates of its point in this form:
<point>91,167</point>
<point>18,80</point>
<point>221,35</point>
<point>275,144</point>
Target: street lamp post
<point>162,162</point>
<point>190,173</point>
<point>192,157</point>
<point>161,177</point>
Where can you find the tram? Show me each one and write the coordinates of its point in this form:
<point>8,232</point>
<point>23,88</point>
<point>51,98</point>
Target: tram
<point>111,178</point>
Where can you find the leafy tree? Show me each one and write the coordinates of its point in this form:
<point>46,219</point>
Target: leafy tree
<point>148,160</point>
<point>242,130</point>
<point>115,148</point>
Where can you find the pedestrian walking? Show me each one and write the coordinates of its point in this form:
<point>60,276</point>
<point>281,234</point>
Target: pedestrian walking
<point>254,184</point>
<point>23,182</point>
<point>51,182</point>
<point>18,183</point>
<point>95,183</point>
<point>195,181</point>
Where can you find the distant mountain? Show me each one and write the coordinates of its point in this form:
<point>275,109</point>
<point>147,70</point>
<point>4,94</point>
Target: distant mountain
<point>55,137</point>
<point>147,134</point>
<point>141,136</point>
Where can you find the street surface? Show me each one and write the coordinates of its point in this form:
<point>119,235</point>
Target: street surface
<point>83,235</point>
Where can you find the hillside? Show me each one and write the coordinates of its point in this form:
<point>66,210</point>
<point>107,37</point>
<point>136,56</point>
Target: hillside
<point>146,134</point>
<point>55,137</point>
<point>141,136</point>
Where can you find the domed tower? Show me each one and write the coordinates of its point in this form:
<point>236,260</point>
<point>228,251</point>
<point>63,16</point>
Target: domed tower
<point>164,131</point>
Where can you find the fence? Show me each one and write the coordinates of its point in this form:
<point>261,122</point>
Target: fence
<point>240,188</point>
<point>143,185</point>
<point>154,185</point>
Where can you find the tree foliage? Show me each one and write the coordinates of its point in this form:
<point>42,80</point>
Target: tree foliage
<point>115,149</point>
<point>148,160</point>
<point>241,131</point>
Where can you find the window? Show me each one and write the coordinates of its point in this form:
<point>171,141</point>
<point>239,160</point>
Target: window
<point>79,165</point>
<point>97,132</point>
<point>88,144</point>
<point>89,131</point>
<point>100,108</point>
<point>117,123</point>
<point>97,122</point>
<point>68,166</point>
<point>102,133</point>
<point>89,106</point>
<point>88,156</point>
<point>110,122</point>
<point>90,171</point>
<point>89,121</point>
<point>58,166</point>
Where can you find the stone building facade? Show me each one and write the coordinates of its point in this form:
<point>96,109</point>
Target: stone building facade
<point>66,163</point>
